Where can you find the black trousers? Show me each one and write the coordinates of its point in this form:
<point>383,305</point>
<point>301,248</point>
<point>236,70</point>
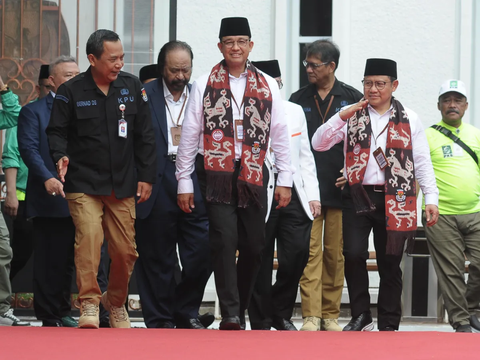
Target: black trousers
<point>157,236</point>
<point>21,241</point>
<point>234,228</point>
<point>291,227</point>
<point>356,230</point>
<point>53,267</point>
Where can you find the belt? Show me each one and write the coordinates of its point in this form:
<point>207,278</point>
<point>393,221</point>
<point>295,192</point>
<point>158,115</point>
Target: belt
<point>375,188</point>
<point>171,157</point>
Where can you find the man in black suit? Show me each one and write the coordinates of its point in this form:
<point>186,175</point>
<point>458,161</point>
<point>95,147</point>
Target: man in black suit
<point>53,229</point>
<point>161,225</point>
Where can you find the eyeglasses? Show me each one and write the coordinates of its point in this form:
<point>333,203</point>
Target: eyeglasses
<point>380,85</point>
<point>313,65</point>
<point>231,43</point>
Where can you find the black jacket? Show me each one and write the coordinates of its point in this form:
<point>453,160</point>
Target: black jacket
<point>328,163</point>
<point>84,126</point>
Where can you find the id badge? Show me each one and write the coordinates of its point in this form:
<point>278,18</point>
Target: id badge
<point>122,128</point>
<point>380,158</point>
<point>239,129</point>
<point>176,135</point>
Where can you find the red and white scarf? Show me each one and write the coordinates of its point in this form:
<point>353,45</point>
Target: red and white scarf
<point>219,136</point>
<point>400,186</point>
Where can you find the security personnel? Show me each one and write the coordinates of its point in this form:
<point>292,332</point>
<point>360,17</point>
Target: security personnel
<point>99,130</point>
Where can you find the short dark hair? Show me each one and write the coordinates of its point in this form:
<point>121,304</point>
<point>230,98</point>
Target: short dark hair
<point>326,50</point>
<point>170,46</point>
<point>96,40</point>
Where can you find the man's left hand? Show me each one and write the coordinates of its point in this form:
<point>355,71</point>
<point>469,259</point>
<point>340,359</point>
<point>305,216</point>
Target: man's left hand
<point>431,212</point>
<point>282,196</point>
<point>144,190</point>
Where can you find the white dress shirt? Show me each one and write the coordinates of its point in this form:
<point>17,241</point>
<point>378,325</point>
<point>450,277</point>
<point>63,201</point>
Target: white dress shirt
<point>174,109</point>
<point>191,142</point>
<point>335,130</point>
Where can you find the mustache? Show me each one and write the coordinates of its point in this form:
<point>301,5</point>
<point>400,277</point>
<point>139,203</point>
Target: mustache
<point>453,111</point>
<point>182,83</point>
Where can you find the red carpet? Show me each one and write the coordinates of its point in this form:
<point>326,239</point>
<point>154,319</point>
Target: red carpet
<point>105,344</point>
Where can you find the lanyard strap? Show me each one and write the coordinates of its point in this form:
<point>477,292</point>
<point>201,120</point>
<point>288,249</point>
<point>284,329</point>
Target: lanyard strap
<point>179,115</point>
<point>375,138</point>
<point>238,107</point>
<point>328,107</point>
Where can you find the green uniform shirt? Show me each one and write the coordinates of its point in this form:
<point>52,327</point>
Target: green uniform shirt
<point>10,110</point>
<point>457,174</point>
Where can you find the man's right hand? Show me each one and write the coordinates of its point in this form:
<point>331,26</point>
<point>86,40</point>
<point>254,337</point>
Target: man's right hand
<point>62,167</point>
<point>348,112</point>
<point>11,204</point>
<point>54,187</point>
<point>186,202</point>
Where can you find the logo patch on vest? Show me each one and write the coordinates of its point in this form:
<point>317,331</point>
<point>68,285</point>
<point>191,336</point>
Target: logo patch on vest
<point>447,151</point>
<point>400,196</point>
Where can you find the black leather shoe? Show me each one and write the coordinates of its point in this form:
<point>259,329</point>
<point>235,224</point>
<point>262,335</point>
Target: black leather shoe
<point>283,324</point>
<point>387,328</point>
<point>463,329</point>
<point>190,324</point>
<point>230,323</point>
<point>259,326</point>
<point>165,325</point>
<point>474,323</point>
<point>363,322</point>
<point>206,319</point>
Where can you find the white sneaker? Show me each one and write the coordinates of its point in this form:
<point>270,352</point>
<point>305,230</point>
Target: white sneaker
<point>8,319</point>
<point>118,314</point>
<point>330,325</point>
<point>311,323</point>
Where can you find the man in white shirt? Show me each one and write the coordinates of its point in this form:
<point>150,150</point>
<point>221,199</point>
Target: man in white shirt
<point>160,224</point>
<point>385,150</point>
<point>232,112</point>
<point>288,227</point>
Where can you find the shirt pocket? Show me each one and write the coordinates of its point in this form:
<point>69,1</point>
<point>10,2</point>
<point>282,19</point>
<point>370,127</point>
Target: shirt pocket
<point>88,121</point>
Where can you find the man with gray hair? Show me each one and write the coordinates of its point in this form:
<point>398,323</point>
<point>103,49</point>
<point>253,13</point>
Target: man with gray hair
<point>322,282</point>
<point>53,229</point>
<point>455,149</point>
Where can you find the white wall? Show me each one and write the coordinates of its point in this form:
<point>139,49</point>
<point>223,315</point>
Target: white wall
<point>198,23</point>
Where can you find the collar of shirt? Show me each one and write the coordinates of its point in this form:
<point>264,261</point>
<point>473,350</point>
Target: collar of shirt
<point>242,75</point>
<point>168,95</point>
<point>52,93</point>
<point>453,129</point>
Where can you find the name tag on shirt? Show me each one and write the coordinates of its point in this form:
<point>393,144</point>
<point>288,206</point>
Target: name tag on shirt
<point>122,128</point>
<point>457,150</point>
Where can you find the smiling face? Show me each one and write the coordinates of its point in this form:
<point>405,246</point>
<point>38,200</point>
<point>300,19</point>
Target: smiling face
<point>106,68</point>
<point>380,100</point>
<point>235,50</point>
<point>452,105</point>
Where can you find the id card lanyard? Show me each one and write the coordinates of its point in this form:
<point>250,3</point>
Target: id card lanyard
<point>379,155</point>
<point>238,122</point>
<point>122,123</point>
<point>176,129</point>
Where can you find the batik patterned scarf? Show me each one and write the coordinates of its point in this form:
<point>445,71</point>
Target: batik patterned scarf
<point>400,187</point>
<point>219,142</point>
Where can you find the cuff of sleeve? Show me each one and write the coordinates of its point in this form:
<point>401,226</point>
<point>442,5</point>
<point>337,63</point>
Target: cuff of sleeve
<point>337,121</point>
<point>431,199</point>
<point>285,178</point>
<point>185,186</point>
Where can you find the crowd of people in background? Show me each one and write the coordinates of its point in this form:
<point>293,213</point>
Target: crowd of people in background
<point>233,176</point>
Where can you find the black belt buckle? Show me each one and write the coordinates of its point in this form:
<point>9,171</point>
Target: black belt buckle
<point>172,157</point>
<point>379,188</point>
